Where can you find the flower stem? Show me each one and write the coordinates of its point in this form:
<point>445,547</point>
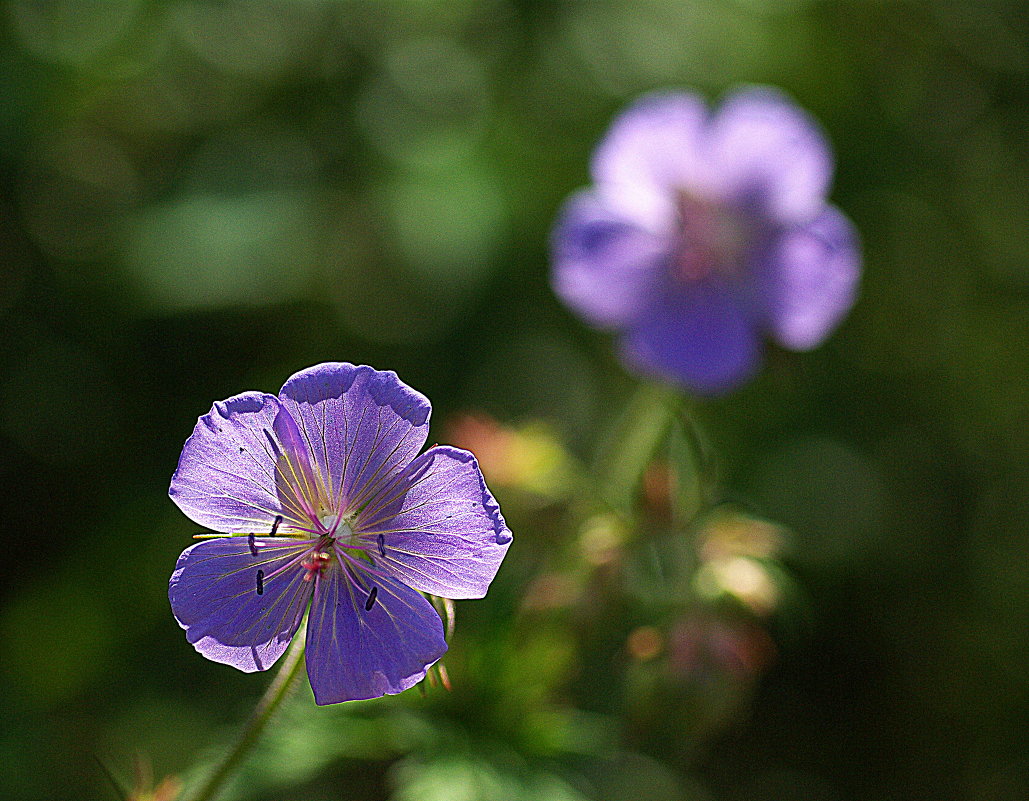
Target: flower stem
<point>273,697</point>
<point>638,435</point>
<point>658,420</point>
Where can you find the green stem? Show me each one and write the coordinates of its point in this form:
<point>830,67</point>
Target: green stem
<point>270,701</point>
<point>640,432</point>
<point>658,420</point>
<point>696,470</point>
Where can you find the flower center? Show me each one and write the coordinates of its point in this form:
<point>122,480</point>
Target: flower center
<point>712,240</point>
<point>338,528</point>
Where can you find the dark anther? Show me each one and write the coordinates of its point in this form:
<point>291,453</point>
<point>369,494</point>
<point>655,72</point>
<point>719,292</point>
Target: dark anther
<point>275,525</point>
<point>371,599</point>
<point>260,582</point>
<point>251,543</point>
<point>382,545</point>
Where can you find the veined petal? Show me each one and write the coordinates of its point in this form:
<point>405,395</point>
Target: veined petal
<point>230,614</point>
<point>605,265</point>
<point>227,474</point>
<point>810,279</point>
<point>361,427</point>
<point>768,153</point>
<point>702,336</point>
<point>441,529</point>
<point>358,650</point>
<point>294,479</point>
<point>653,151</point>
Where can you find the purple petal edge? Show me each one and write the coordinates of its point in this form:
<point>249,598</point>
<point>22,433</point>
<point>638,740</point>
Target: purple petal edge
<point>769,154</point>
<point>362,426</point>
<point>225,478</point>
<point>357,652</point>
<point>442,530</point>
<point>605,265</point>
<point>653,149</point>
<point>215,597</point>
<point>703,338</point>
<point>811,280</point>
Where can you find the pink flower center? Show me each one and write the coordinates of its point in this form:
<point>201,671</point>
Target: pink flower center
<point>712,240</point>
<point>315,563</point>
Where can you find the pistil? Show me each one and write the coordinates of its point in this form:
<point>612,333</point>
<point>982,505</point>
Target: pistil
<point>315,563</point>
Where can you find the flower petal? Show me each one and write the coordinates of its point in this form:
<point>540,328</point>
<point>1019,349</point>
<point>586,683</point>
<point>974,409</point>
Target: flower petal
<point>605,265</point>
<point>770,155</point>
<point>227,478</point>
<point>700,335</point>
<point>652,151</point>
<point>356,650</point>
<point>294,479</point>
<point>231,616</point>
<point>811,278</point>
<point>442,531</point>
<point>361,426</point>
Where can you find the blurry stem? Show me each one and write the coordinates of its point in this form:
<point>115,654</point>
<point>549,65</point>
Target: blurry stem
<point>641,431</point>
<point>273,697</point>
<point>696,476</point>
<point>119,788</point>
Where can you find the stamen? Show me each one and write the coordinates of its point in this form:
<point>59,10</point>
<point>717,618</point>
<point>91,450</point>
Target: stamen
<point>252,544</point>
<point>382,544</point>
<point>275,525</point>
<point>371,599</point>
<point>260,582</point>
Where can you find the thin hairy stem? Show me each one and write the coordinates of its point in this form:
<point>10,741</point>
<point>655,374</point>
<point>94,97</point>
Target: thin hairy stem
<point>276,693</point>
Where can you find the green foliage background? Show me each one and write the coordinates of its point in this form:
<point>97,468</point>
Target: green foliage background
<point>199,198</point>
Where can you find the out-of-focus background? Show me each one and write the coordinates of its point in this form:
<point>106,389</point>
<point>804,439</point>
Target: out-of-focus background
<point>199,198</point>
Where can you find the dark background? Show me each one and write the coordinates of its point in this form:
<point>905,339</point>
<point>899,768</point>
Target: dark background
<point>199,198</point>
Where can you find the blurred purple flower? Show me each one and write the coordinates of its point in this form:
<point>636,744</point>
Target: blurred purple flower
<point>705,230</point>
<point>340,511</point>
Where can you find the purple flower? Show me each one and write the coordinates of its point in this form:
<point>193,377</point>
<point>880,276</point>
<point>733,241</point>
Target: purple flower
<point>340,511</point>
<point>704,231</point>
